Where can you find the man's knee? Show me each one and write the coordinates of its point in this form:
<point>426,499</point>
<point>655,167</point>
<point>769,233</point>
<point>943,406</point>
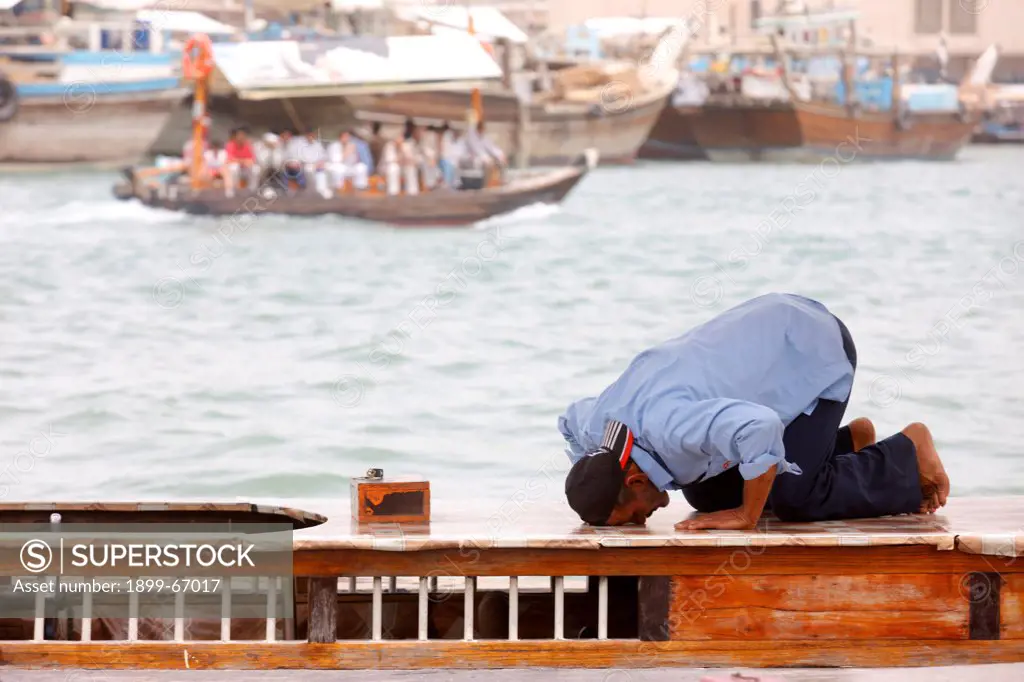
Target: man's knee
<point>791,501</point>
<point>793,513</point>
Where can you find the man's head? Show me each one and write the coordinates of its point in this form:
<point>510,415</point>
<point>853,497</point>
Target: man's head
<point>606,492</point>
<point>239,135</point>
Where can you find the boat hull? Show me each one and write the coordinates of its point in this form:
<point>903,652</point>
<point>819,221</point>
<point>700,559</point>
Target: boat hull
<point>94,129</point>
<point>672,138</point>
<point>432,209</point>
<point>743,131</point>
<point>556,134</point>
<point>828,131</point>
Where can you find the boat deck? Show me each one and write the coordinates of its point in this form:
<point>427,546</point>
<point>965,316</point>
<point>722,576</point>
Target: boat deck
<point>991,526</point>
<point>520,583</point>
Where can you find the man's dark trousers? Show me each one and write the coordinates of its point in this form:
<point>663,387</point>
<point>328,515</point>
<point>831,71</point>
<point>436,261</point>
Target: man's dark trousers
<point>837,483</point>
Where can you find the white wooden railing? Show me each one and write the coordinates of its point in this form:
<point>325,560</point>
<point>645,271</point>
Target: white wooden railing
<point>427,589</point>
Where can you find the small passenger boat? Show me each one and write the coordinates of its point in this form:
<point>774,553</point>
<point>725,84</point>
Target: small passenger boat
<point>188,187</point>
<point>438,207</point>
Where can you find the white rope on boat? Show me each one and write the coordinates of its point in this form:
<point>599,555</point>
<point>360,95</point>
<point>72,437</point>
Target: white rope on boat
<point>424,602</point>
<point>602,607</point>
<point>272,609</point>
<point>559,607</point>
<point>378,609</point>
<point>225,611</point>
<point>469,609</point>
<point>513,608</point>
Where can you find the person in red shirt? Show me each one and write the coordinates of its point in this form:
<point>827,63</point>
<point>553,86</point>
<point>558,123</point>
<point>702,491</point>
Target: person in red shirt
<point>240,157</point>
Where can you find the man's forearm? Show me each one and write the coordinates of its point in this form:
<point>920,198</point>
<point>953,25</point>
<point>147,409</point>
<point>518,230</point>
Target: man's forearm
<point>755,494</point>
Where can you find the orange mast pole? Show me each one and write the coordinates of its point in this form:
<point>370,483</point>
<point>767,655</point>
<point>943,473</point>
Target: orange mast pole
<point>198,67</point>
<point>198,132</point>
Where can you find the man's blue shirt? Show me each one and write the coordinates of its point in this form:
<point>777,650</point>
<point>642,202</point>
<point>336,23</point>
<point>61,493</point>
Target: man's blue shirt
<point>721,394</point>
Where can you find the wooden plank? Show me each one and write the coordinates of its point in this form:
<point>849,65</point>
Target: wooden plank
<point>983,594</point>
<point>872,592</point>
<point>1011,607</point>
<point>634,561</point>
<point>323,610</point>
<point>757,623</point>
<point>653,608</point>
<point>408,655</point>
<point>806,607</point>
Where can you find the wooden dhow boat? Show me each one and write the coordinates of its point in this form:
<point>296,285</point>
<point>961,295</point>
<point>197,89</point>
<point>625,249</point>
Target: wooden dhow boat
<point>437,207</point>
<point>614,121</point>
<point>887,127</point>
<point>549,114</point>
<point>732,105</point>
<point>522,584</point>
<point>95,105</point>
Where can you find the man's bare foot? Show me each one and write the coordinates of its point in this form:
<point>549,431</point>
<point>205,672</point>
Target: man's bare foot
<point>863,433</point>
<point>934,481</point>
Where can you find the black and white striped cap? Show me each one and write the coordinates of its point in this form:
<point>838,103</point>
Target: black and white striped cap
<point>596,480</point>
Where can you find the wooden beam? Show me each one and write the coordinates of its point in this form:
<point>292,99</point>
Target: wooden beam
<point>984,594</point>
<point>412,654</point>
<point>323,610</point>
<point>653,608</point>
<point>655,561</point>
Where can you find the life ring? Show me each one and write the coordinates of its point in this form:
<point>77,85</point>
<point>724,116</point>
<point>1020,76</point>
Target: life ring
<point>8,99</point>
<point>199,65</point>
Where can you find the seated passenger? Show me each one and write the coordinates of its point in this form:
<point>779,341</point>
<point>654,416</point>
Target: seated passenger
<point>269,156</point>
<point>215,160</point>
<point>303,157</point>
<point>411,158</point>
<point>344,164</point>
<point>390,166</point>
<point>241,161</point>
<point>448,154</point>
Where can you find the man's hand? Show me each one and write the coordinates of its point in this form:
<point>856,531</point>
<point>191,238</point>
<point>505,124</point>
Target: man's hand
<point>728,519</point>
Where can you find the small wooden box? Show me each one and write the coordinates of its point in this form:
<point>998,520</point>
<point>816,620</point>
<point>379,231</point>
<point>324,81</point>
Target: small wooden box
<point>390,500</point>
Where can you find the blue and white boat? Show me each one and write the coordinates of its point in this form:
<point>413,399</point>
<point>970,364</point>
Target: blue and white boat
<point>81,82</point>
<point>1004,118</point>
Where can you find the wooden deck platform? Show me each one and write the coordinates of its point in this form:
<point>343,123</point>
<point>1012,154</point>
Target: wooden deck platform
<point>524,585</point>
<point>980,673</point>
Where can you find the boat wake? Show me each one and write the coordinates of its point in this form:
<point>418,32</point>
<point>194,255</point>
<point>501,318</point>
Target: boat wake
<point>80,212</point>
<point>526,214</point>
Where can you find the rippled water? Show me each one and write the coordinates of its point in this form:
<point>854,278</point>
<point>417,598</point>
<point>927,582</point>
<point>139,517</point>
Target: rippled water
<point>151,355</point>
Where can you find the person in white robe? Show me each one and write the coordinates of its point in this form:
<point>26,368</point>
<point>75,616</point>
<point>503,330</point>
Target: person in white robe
<point>343,163</point>
<point>305,157</point>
